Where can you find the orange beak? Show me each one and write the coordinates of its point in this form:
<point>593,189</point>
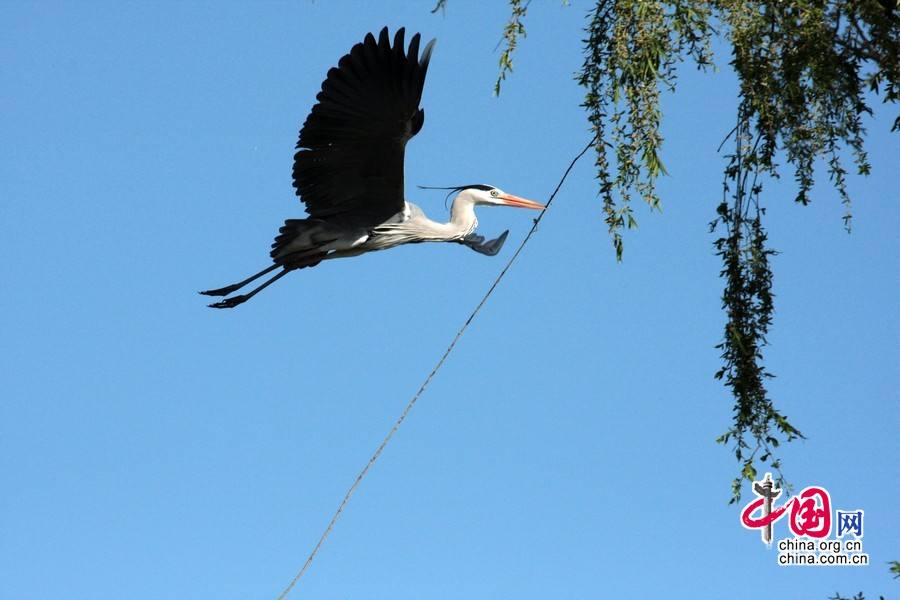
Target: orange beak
<point>510,200</point>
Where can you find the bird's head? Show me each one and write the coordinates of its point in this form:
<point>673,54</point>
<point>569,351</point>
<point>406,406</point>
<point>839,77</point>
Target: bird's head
<point>488,195</point>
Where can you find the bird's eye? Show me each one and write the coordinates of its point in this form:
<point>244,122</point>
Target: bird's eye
<point>495,193</point>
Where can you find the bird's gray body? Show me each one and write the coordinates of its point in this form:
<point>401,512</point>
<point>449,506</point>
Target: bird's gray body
<point>409,226</point>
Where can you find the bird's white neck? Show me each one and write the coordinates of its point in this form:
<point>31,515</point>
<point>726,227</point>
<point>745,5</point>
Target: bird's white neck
<point>462,214</point>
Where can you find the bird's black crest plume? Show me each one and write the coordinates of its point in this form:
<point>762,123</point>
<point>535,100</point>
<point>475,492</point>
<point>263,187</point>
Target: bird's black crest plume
<point>456,188</point>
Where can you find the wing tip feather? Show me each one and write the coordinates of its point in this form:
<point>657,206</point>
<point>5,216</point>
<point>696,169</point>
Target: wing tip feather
<point>378,76</point>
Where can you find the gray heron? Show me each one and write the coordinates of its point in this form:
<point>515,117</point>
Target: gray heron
<point>348,169</point>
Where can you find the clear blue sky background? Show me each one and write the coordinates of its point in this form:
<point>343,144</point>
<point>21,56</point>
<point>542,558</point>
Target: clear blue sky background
<point>154,448</point>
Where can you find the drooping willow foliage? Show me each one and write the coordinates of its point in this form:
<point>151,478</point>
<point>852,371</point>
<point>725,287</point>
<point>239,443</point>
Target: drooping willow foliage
<point>807,69</point>
<point>631,52</point>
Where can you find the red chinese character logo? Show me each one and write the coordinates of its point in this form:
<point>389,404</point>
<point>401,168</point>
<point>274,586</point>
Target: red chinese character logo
<point>764,519</point>
<point>767,493</point>
<point>811,513</point>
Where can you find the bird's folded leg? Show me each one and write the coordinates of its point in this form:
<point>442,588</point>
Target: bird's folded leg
<point>490,248</point>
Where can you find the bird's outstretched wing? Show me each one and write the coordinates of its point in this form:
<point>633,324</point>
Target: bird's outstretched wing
<point>349,166</point>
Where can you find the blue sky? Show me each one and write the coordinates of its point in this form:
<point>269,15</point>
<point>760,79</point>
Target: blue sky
<point>154,448</point>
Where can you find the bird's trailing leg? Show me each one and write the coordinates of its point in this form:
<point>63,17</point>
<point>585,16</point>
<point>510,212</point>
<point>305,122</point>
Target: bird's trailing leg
<point>476,242</point>
<point>291,262</point>
<point>235,300</point>
<point>224,291</point>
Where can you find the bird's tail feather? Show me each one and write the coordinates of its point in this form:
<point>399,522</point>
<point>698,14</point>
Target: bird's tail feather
<point>299,243</point>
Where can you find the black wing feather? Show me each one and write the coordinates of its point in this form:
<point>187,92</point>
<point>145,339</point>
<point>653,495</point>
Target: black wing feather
<point>349,164</point>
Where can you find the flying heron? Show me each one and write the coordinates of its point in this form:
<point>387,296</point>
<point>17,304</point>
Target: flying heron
<point>348,169</point>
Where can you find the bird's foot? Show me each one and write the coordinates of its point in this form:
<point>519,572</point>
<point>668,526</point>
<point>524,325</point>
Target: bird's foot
<point>477,243</point>
<point>221,291</point>
<point>230,302</point>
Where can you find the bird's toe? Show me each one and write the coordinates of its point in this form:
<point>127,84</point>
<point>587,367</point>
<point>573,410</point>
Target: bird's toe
<point>229,302</point>
<point>220,291</point>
